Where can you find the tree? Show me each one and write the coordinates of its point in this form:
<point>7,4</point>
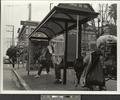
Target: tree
<point>113,12</point>
<point>103,18</point>
<point>107,17</point>
<point>12,54</point>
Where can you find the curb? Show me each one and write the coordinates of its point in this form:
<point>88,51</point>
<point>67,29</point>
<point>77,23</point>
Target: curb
<point>20,80</point>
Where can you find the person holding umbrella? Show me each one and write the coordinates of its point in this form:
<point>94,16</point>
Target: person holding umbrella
<point>93,74</point>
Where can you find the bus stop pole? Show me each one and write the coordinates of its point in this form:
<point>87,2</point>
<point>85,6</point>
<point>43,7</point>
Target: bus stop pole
<point>65,54</point>
<point>77,37</point>
<point>78,40</point>
<point>28,63</point>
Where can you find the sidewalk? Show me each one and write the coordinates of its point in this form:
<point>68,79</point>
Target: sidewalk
<point>46,81</point>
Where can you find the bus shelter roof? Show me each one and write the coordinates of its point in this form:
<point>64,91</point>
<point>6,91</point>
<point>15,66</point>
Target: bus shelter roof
<point>54,23</point>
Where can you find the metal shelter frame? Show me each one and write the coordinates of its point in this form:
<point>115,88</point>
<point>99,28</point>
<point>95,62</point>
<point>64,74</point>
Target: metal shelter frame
<point>63,18</point>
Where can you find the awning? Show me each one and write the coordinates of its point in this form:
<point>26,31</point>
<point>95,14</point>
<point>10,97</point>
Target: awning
<point>54,23</point>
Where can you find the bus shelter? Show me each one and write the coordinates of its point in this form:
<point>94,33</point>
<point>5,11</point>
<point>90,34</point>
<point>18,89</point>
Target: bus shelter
<point>61,19</point>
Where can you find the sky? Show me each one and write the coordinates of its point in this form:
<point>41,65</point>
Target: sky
<point>13,12</point>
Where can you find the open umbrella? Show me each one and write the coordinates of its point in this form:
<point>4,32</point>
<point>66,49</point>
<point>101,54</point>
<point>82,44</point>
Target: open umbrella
<point>110,63</point>
<point>106,39</point>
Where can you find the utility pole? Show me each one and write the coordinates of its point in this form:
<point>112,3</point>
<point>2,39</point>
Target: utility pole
<point>29,8</point>
<point>51,6</point>
<point>29,30</point>
<point>12,31</point>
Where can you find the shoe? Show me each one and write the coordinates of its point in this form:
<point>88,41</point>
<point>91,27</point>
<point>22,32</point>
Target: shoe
<point>37,76</point>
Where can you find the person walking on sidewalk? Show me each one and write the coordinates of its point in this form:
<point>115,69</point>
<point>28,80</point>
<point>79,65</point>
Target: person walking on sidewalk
<point>44,61</point>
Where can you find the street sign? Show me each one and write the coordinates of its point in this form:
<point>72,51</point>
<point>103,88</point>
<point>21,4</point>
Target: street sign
<point>29,23</point>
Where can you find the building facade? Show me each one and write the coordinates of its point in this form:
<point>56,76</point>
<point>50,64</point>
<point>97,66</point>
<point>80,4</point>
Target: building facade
<point>23,40</point>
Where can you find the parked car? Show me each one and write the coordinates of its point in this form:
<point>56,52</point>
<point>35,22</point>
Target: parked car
<point>6,61</point>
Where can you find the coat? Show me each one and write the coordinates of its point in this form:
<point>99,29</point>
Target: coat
<point>90,61</point>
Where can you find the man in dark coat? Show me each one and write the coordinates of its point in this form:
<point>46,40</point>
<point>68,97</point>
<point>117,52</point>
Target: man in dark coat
<point>44,61</point>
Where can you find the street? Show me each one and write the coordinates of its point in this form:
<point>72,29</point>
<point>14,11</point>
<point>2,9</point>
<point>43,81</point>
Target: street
<point>9,81</point>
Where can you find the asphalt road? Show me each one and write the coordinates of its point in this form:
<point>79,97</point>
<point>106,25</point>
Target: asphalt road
<point>9,81</point>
